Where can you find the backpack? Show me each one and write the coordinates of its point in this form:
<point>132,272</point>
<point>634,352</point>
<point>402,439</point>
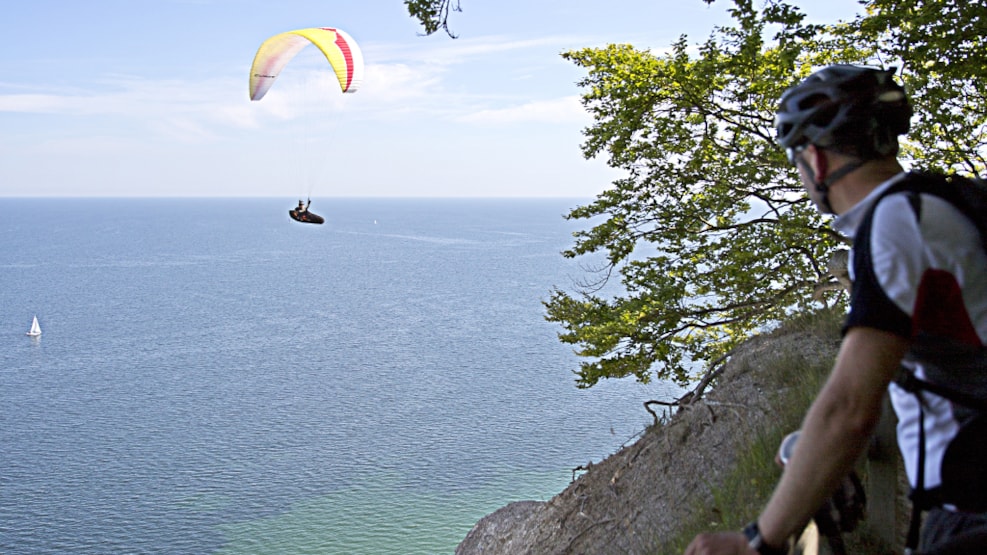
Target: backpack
<point>969,196</point>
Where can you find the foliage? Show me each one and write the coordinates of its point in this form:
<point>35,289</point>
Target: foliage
<point>941,46</point>
<point>433,14</point>
<point>709,231</point>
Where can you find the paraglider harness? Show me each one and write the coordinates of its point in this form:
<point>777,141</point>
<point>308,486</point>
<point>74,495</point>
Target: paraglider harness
<point>301,214</point>
<point>969,196</point>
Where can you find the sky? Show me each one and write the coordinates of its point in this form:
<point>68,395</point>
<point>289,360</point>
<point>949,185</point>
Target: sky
<point>148,98</point>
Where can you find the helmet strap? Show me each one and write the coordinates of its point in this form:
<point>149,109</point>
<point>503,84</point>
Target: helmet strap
<point>823,187</point>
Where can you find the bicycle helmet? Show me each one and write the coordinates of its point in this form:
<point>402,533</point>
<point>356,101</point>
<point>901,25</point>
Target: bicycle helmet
<point>851,109</point>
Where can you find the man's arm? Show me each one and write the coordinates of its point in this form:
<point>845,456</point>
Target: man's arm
<point>836,431</point>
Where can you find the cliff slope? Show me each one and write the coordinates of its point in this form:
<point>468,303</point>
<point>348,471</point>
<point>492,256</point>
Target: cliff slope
<point>632,500</point>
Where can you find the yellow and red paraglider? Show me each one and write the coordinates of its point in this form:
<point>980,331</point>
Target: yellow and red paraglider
<point>274,53</point>
<point>340,50</point>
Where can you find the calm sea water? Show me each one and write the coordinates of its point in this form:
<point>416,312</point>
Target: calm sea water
<point>214,378</point>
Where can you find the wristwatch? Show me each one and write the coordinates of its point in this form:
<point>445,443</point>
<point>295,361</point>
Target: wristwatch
<point>756,542</point>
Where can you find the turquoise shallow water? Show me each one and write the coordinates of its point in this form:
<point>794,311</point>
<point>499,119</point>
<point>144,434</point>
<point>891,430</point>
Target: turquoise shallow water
<point>214,378</point>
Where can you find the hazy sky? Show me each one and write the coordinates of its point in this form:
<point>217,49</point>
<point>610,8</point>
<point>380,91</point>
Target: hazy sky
<point>149,97</point>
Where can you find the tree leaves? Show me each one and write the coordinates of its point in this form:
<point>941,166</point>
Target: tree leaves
<point>708,237</point>
<point>433,14</point>
<point>941,46</point>
<point>708,232</point>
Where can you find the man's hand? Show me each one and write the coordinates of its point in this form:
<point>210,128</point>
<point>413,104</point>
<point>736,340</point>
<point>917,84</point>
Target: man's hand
<point>724,543</point>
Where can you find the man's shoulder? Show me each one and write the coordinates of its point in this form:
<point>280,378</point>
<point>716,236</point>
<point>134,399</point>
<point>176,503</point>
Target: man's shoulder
<point>968,195</point>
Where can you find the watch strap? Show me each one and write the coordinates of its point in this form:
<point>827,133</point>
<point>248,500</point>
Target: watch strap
<point>756,542</point>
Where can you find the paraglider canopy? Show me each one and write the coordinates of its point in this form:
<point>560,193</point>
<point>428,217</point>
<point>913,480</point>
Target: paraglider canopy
<point>274,53</point>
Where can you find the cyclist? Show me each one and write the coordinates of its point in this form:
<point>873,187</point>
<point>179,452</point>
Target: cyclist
<point>919,278</point>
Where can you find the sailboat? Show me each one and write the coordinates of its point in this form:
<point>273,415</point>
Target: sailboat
<point>35,330</point>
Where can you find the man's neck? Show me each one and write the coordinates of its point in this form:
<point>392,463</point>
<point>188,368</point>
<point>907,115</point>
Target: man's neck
<point>855,186</point>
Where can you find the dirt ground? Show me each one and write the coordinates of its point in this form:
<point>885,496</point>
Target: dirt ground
<point>631,500</point>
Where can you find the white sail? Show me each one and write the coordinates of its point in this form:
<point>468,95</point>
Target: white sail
<point>35,328</point>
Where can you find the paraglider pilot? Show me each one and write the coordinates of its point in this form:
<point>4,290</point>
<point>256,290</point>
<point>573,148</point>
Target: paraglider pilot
<point>301,214</point>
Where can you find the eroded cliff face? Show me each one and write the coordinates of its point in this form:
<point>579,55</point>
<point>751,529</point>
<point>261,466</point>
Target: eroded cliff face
<point>633,499</point>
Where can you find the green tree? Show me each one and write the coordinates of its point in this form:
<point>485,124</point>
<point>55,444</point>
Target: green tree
<point>941,46</point>
<point>709,232</point>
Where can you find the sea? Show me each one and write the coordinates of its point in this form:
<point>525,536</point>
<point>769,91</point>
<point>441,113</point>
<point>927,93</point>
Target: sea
<point>215,378</point>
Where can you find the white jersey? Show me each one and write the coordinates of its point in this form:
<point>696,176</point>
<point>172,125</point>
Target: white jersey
<point>919,270</point>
